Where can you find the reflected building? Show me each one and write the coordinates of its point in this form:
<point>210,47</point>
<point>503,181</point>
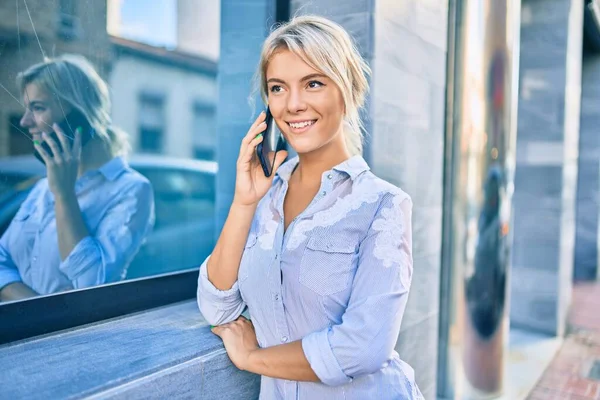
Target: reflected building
<point>58,25</point>
<point>166,97</point>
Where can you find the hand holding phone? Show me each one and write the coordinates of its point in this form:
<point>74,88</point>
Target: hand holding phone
<point>73,120</point>
<point>273,141</point>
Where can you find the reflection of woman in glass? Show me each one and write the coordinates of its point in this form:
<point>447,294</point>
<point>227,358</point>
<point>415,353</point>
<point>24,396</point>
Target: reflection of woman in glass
<point>82,225</point>
<point>485,289</point>
<point>321,252</point>
<point>485,292</point>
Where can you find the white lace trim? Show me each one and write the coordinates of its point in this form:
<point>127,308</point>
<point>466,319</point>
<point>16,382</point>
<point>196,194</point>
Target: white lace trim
<point>389,240</point>
<point>341,208</point>
<point>267,224</point>
<point>267,238</point>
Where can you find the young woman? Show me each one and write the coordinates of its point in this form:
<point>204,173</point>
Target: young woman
<point>320,253</point>
<point>82,225</point>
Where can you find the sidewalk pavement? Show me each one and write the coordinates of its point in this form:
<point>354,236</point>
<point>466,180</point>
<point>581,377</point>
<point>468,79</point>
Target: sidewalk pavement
<point>574,373</point>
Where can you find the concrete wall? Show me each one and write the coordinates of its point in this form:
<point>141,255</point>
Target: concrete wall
<point>588,202</point>
<point>244,27</point>
<point>546,174</point>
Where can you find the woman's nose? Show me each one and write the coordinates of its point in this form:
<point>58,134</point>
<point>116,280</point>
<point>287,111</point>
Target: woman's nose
<point>296,102</point>
<point>26,120</point>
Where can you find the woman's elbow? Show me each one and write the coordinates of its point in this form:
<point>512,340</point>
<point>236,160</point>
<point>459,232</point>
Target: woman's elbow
<point>368,362</point>
<point>217,316</point>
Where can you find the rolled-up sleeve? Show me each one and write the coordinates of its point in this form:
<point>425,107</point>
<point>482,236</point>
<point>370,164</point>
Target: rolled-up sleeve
<point>104,256</point>
<point>364,341</point>
<point>8,270</point>
<point>218,306</point>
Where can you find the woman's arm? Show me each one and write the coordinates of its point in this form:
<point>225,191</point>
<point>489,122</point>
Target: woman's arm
<point>218,296</point>
<point>11,285</point>
<point>286,361</point>
<point>16,291</point>
<point>70,226</point>
<point>104,256</point>
<point>223,264</point>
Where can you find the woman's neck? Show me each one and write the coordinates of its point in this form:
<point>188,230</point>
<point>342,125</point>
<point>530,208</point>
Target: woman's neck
<point>312,165</point>
<point>94,155</point>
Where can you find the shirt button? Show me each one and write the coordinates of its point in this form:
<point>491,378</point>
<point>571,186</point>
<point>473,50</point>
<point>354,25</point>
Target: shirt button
<point>34,259</point>
<point>276,297</point>
<point>323,193</point>
<point>276,256</point>
<point>284,339</point>
<point>329,176</point>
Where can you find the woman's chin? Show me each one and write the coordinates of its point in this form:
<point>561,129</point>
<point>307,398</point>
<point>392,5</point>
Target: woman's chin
<point>303,146</point>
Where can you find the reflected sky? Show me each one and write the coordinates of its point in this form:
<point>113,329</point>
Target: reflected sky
<point>155,25</point>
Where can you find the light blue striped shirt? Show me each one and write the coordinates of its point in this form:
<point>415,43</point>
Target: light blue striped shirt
<point>117,204</point>
<point>338,280</point>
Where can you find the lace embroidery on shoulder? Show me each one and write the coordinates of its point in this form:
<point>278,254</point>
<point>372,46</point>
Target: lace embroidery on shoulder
<point>332,215</point>
<point>267,223</point>
<point>391,228</point>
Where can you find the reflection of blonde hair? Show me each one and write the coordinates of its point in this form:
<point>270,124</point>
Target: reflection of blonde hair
<point>328,48</point>
<point>72,79</point>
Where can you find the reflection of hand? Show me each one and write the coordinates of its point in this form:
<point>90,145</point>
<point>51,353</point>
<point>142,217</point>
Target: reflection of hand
<point>63,166</point>
<point>239,339</point>
<point>251,183</point>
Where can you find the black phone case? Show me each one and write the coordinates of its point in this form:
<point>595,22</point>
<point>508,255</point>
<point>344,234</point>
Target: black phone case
<point>264,163</point>
<point>69,124</point>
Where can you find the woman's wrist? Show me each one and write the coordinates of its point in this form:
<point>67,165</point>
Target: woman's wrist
<point>254,362</point>
<point>237,205</point>
<point>65,198</point>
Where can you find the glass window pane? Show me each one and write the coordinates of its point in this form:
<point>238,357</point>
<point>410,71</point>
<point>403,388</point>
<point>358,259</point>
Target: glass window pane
<point>141,83</point>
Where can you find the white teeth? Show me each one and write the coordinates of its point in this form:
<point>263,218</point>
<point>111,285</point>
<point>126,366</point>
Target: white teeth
<point>300,125</point>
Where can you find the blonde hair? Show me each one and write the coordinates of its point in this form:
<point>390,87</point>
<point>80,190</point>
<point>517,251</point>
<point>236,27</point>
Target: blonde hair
<point>73,79</point>
<point>328,48</point>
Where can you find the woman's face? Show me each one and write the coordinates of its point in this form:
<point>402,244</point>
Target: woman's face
<point>41,111</point>
<point>307,106</point>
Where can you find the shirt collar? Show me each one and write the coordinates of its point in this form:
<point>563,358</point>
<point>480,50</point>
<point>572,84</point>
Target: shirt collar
<point>112,169</point>
<point>353,166</point>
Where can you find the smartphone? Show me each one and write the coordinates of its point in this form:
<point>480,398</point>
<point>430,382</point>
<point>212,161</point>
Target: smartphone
<point>73,120</point>
<point>273,141</point>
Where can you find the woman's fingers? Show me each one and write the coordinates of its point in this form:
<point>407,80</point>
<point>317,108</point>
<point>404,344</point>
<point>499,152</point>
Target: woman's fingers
<point>56,153</point>
<point>76,150</point>
<point>64,142</point>
<point>250,148</point>
<point>43,153</point>
<point>257,127</point>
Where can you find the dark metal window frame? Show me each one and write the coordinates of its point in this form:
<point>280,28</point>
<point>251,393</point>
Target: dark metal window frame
<point>43,315</point>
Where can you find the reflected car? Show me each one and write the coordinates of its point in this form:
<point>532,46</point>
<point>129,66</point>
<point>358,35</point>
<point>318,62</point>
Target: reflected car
<point>184,196</point>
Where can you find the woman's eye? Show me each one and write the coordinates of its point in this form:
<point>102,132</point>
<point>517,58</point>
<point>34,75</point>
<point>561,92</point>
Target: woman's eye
<point>314,84</point>
<point>38,109</point>
<point>275,89</point>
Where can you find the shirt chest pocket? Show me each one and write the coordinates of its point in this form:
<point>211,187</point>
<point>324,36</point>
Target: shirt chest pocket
<point>328,264</point>
<point>26,221</point>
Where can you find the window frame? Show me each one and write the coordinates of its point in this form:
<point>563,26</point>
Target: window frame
<point>52,313</point>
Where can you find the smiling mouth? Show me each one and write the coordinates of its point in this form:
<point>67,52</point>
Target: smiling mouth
<point>302,126</point>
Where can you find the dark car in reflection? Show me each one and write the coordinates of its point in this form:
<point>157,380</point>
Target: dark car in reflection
<point>184,195</point>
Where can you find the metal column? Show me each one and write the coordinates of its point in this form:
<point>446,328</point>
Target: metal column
<point>483,67</point>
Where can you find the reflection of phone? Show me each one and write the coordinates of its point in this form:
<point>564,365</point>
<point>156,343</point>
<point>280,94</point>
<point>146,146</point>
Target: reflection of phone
<point>75,119</point>
<point>273,142</point>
